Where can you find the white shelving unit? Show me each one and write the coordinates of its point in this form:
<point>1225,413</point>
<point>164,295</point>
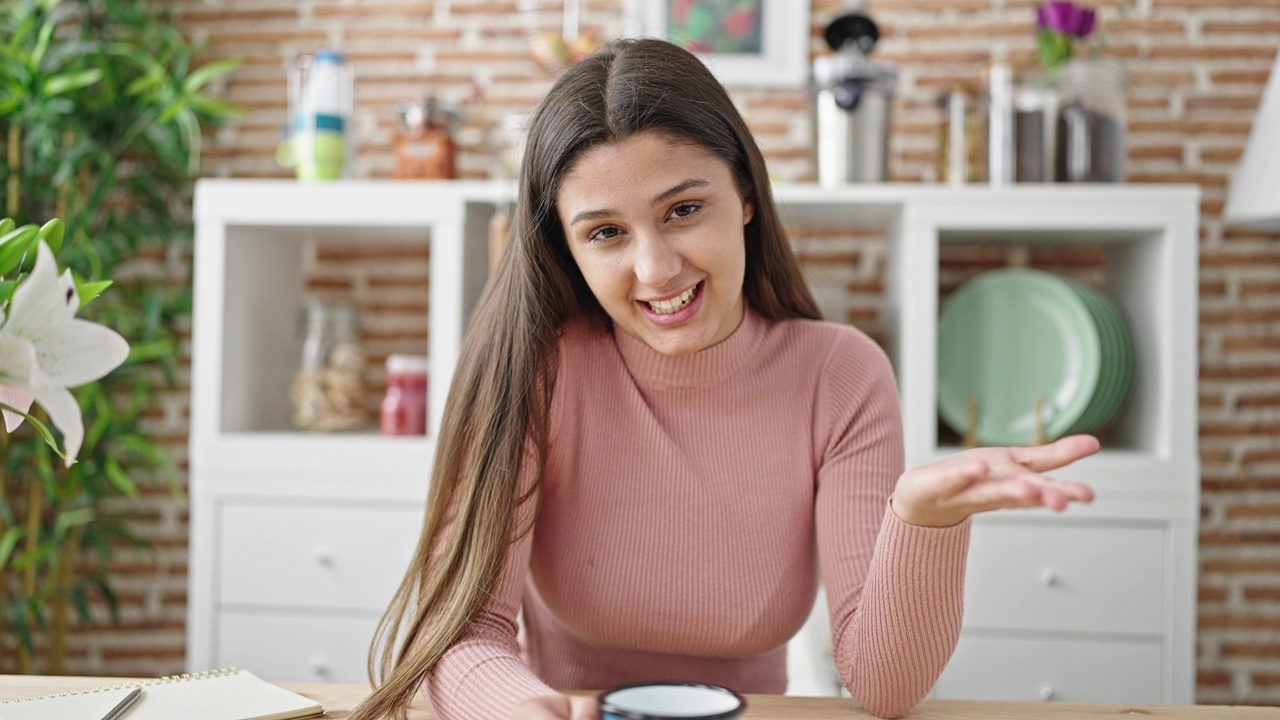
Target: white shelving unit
<point>299,539</point>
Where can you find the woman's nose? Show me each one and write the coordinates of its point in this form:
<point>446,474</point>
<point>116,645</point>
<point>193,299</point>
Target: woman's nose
<point>657,263</point>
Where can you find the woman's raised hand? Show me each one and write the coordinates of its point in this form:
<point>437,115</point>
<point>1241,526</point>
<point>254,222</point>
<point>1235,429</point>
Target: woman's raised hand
<point>557,707</point>
<point>991,478</point>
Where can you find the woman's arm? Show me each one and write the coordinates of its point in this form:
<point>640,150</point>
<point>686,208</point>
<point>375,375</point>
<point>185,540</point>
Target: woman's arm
<point>482,676</point>
<point>895,590</point>
<point>897,593</point>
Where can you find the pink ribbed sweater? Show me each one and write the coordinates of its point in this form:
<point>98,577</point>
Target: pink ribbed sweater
<point>687,504</point>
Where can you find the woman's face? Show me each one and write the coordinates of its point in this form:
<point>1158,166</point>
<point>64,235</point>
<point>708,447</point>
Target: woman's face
<point>656,227</point>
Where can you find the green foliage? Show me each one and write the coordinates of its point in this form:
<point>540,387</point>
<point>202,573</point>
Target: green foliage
<point>1053,48</point>
<point>101,110</point>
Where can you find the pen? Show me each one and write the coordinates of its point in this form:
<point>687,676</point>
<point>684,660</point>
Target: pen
<point>124,704</point>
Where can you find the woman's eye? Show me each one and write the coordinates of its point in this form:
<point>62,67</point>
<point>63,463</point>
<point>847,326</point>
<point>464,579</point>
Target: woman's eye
<point>603,234</point>
<point>685,210</point>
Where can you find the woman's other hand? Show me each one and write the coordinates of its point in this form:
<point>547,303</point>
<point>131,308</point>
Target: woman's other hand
<point>557,707</point>
<point>991,478</point>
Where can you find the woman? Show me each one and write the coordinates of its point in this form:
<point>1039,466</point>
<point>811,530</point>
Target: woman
<point>652,442</point>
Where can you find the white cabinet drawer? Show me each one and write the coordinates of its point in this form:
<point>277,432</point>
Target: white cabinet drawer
<point>1063,577</point>
<point>296,649</point>
<point>313,556</point>
<point>1058,670</point>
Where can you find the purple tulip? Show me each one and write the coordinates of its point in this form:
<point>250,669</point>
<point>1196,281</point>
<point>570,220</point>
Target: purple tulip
<point>1066,18</point>
<point>1085,25</point>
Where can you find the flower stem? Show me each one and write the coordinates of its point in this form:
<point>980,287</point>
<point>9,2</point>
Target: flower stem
<point>15,167</point>
<point>34,506</point>
<point>60,605</point>
<point>4,579</point>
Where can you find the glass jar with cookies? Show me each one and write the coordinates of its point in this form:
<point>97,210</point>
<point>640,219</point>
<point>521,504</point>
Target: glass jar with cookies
<point>328,389</point>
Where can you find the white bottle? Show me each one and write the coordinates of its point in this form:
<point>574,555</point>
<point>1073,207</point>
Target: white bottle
<point>325,93</point>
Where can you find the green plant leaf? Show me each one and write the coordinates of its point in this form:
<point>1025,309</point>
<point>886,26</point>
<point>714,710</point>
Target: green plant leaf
<point>59,84</point>
<point>42,42</point>
<point>204,74</point>
<point>80,602</point>
<point>72,518</point>
<point>8,542</point>
<point>140,352</point>
<point>18,623</point>
<point>15,245</point>
<point>7,225</point>
<point>214,108</point>
<point>191,133</point>
<point>144,84</point>
<point>52,233</point>
<point>90,291</point>
<point>109,595</point>
<point>119,480</point>
<point>39,427</point>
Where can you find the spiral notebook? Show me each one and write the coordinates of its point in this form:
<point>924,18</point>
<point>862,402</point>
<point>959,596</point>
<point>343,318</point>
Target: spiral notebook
<point>227,694</point>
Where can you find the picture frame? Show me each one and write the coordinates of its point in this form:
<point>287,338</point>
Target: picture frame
<point>745,43</point>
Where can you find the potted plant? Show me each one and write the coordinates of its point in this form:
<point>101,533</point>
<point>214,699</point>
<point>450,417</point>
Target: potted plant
<point>101,110</point>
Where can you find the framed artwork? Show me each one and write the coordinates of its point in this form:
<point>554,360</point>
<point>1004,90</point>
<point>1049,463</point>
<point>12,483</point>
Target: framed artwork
<point>746,43</point>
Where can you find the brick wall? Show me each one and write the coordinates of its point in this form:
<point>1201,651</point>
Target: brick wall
<point>1196,70</point>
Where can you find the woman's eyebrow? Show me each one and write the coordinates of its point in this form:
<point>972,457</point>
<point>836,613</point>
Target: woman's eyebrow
<point>658,199</point>
<point>592,215</point>
<point>677,189</point>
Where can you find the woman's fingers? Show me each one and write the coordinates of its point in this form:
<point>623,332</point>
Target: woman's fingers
<point>1059,453</point>
<point>585,708</point>
<point>1025,489</point>
<point>951,480</point>
<point>557,707</point>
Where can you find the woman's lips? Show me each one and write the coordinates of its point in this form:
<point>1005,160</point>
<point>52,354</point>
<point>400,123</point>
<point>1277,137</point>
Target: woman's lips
<point>680,316</point>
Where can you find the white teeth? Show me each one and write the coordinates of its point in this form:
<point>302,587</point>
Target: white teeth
<point>666,307</point>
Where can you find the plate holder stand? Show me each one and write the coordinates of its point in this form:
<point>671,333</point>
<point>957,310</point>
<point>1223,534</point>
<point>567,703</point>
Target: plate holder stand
<point>971,435</point>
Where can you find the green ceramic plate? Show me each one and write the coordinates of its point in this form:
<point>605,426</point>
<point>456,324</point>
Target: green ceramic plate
<point>1007,337</point>
<point>1117,360</point>
<point>1108,376</point>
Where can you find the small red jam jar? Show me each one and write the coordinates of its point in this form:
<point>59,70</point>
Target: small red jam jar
<point>404,407</point>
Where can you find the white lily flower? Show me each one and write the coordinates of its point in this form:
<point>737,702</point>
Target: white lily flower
<point>44,350</point>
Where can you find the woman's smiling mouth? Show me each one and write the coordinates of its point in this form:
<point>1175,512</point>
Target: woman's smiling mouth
<point>666,307</point>
<point>675,310</point>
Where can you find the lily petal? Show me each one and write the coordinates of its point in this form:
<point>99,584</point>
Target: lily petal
<point>40,304</point>
<point>17,360</point>
<point>14,398</point>
<point>64,412</point>
<point>79,352</point>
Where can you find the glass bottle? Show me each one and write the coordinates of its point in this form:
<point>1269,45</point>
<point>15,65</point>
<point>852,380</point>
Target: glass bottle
<point>328,389</point>
<point>962,136</point>
<point>1035,113</point>
<point>1091,121</point>
<point>404,407</point>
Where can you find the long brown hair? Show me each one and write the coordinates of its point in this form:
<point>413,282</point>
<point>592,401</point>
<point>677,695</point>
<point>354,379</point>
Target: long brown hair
<point>505,377</point>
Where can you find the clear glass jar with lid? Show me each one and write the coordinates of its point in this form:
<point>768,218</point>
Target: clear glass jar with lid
<point>328,389</point>
<point>1091,121</point>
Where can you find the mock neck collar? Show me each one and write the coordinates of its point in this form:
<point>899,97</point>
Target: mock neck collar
<point>653,369</point>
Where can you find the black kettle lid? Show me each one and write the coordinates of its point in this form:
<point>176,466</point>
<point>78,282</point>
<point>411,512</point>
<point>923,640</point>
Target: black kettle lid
<point>854,28</point>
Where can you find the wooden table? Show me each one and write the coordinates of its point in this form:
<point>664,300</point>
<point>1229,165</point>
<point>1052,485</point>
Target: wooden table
<point>338,700</point>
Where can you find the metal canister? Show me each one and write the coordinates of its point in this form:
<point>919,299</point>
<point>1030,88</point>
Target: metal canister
<point>853,105</point>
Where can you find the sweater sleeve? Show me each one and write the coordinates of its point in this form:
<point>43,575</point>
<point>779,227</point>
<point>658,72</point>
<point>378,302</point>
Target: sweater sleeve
<point>482,676</point>
<point>895,590</point>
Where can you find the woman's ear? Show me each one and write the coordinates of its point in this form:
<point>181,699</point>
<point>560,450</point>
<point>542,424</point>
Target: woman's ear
<point>748,211</point>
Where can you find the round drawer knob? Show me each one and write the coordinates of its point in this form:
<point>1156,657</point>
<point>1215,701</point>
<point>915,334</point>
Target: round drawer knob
<point>1046,693</point>
<point>1047,578</point>
<point>319,667</point>
<point>323,556</point>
